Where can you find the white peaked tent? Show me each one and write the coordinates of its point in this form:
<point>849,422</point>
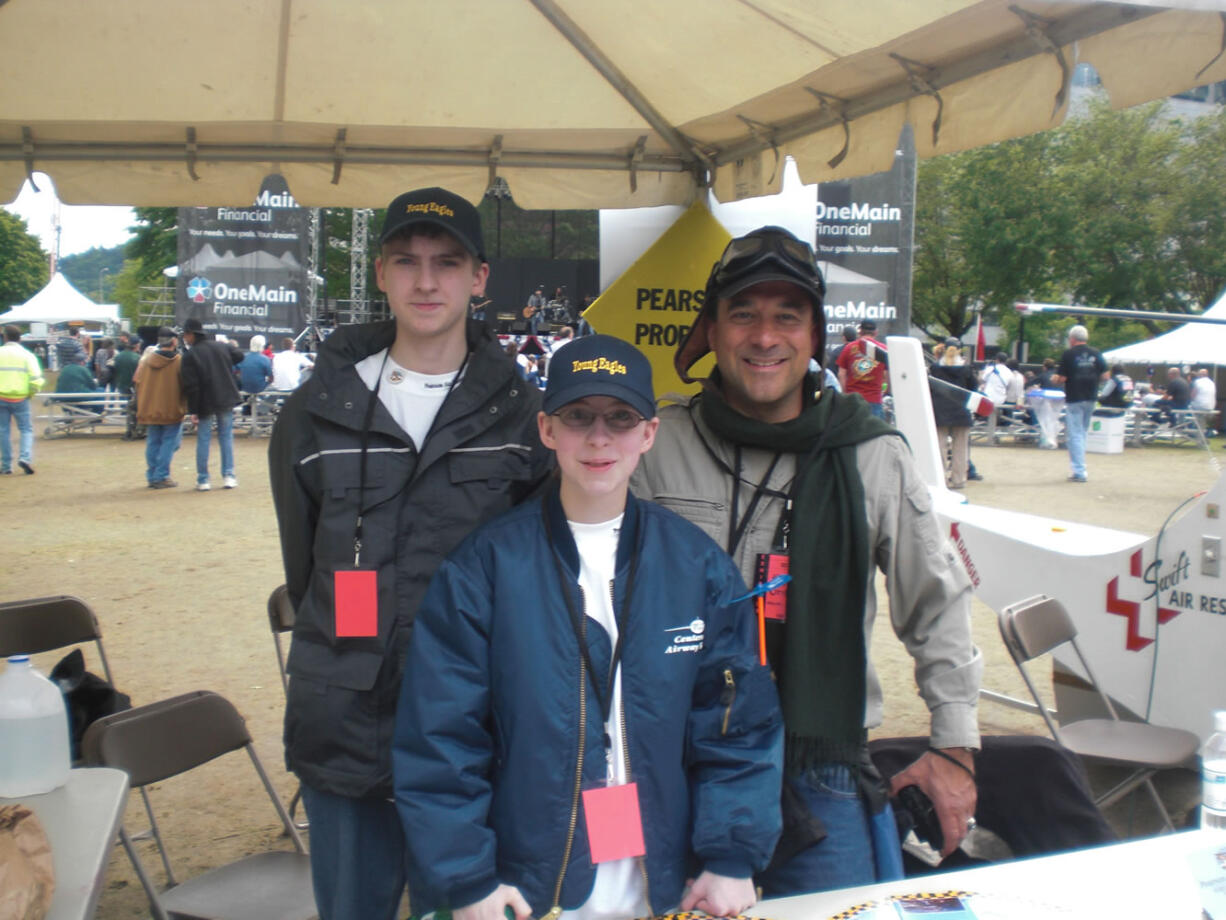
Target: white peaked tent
<point>1191,343</point>
<point>60,302</point>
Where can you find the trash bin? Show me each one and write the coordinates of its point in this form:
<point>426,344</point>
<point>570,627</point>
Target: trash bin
<point>1106,434</point>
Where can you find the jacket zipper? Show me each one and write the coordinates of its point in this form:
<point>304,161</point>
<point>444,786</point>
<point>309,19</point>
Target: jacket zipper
<point>556,910</point>
<point>621,717</point>
<point>727,696</point>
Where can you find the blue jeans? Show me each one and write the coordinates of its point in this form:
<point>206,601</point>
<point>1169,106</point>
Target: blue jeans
<point>859,848</point>
<point>21,412</point>
<point>161,442</point>
<point>1076,421</point>
<point>878,409</point>
<point>225,438</point>
<point>357,856</point>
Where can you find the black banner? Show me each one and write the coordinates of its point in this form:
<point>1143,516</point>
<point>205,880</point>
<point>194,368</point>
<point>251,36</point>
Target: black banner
<point>243,271</point>
<point>866,231</point>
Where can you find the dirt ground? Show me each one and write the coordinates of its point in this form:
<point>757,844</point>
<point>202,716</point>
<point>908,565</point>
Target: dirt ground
<point>180,579</point>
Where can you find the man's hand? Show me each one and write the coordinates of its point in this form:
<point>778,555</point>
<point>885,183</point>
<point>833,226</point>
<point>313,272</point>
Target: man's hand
<point>719,895</point>
<point>493,905</point>
<point>951,789</point>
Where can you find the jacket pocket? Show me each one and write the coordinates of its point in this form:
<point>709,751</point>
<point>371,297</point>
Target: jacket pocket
<point>333,727</point>
<point>706,514</point>
<point>350,669</point>
<point>497,467</point>
<point>342,471</point>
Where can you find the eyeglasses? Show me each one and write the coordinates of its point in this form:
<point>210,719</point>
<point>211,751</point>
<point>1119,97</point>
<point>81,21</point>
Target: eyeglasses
<point>581,418</point>
<point>749,252</point>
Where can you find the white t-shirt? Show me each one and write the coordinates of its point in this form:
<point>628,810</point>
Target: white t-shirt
<point>617,892</point>
<point>287,368</point>
<point>413,399</point>
<point>996,382</point>
<point>1204,393</point>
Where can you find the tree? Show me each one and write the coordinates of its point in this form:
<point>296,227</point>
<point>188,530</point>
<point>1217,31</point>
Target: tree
<point>1198,229</point>
<point>1116,172</point>
<point>23,264</point>
<point>93,272</point>
<point>986,225</point>
<point>1114,209</point>
<point>155,242</point>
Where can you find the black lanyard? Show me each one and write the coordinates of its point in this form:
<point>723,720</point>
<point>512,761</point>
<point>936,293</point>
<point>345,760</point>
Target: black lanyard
<point>604,695</point>
<point>736,529</point>
<point>366,420</point>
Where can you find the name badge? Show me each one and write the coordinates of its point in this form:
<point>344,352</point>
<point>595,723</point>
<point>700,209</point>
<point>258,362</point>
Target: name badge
<point>356,596</point>
<point>775,602</point>
<point>614,826</point>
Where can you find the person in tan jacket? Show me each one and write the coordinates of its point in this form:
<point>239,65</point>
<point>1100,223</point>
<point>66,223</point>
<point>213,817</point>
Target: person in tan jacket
<point>160,406</point>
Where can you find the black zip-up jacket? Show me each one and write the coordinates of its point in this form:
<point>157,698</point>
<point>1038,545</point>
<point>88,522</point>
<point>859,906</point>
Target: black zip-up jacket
<point>481,457</point>
<point>207,373</point>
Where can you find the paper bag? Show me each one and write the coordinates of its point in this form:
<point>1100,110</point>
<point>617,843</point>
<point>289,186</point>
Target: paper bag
<point>27,875</point>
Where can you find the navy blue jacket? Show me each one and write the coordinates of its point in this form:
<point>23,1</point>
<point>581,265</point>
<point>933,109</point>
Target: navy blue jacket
<point>495,700</point>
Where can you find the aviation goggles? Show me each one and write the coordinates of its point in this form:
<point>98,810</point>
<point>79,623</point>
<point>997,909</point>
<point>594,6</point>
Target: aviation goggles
<point>749,259</point>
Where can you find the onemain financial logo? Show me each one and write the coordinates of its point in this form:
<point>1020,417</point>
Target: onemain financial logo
<point>261,212</point>
<point>249,299</point>
<point>854,219</point>
<point>198,289</point>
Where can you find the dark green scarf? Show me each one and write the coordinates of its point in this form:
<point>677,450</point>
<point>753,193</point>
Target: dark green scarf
<point>818,655</point>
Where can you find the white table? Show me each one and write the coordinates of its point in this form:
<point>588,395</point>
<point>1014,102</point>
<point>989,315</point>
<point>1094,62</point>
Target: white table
<point>1145,879</point>
<point>82,820</point>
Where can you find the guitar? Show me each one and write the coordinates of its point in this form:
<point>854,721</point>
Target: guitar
<point>530,311</point>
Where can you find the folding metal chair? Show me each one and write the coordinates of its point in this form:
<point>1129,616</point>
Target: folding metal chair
<point>281,620</point>
<point>40,624</point>
<point>1040,624</point>
<point>281,617</point>
<point>164,739</point>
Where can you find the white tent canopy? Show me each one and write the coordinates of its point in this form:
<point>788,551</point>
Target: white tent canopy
<point>60,302</point>
<point>575,103</point>
<point>1192,343</point>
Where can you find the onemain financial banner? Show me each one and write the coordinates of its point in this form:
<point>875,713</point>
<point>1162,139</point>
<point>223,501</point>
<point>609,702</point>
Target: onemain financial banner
<point>865,236</point>
<point>242,271</point>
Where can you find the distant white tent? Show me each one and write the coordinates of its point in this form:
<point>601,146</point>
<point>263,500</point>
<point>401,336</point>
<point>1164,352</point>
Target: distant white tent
<point>60,302</point>
<point>1191,343</point>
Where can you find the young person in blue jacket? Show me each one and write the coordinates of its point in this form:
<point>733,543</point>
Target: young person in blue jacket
<point>584,729</point>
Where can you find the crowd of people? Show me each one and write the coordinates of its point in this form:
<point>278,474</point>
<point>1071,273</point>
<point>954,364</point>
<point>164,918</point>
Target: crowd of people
<point>1080,376</point>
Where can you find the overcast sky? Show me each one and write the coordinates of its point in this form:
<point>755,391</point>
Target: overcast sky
<point>82,227</point>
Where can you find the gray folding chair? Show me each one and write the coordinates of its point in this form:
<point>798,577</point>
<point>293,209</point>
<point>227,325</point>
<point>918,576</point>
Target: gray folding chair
<point>1040,624</point>
<point>40,624</point>
<point>281,620</point>
<point>163,739</point>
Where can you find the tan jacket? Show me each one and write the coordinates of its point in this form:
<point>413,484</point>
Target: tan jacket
<point>159,395</point>
<point>930,594</point>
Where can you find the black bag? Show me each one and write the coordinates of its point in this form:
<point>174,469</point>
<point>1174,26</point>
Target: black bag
<point>87,697</point>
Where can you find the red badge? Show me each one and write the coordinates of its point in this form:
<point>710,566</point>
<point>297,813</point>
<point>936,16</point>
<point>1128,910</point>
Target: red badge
<point>775,604</point>
<point>357,603</point>
<point>614,827</point>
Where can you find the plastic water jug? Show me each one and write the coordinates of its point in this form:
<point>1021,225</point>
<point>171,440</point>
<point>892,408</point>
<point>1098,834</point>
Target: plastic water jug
<point>34,751</point>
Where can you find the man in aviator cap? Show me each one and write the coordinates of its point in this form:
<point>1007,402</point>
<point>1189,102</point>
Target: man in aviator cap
<point>409,433</point>
<point>789,476</point>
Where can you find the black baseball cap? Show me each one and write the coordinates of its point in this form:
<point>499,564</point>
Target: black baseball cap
<point>440,208</point>
<point>600,365</point>
<point>868,326</point>
<point>765,254</point>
